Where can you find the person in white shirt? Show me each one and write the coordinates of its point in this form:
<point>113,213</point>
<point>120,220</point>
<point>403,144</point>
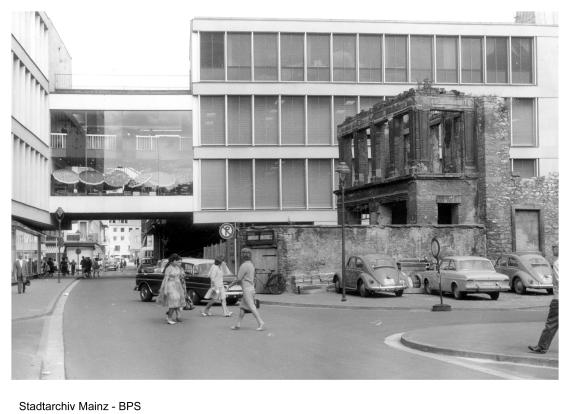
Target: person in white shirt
<point>217,290</point>
<point>551,325</point>
<point>20,274</point>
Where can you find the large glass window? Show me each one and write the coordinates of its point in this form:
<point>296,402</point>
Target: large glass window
<point>265,56</point>
<point>446,59</point>
<point>293,120</point>
<point>367,102</point>
<point>213,183</point>
<point>292,57</point>
<point>523,125</point>
<point>344,58</point>
<point>212,121</point>
<point>471,60</point>
<point>370,57</point>
<point>497,60</point>
<point>521,59</point>
<point>421,51</point>
<point>396,58</point>
<point>318,57</point>
<point>239,120</point>
<point>344,106</point>
<point>319,120</point>
<point>122,153</point>
<point>293,183</point>
<point>240,184</point>
<point>266,120</point>
<point>320,184</point>
<point>239,56</point>
<point>266,184</point>
<point>211,56</point>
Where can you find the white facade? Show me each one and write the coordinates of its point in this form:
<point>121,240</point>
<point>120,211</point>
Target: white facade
<point>124,238</point>
<point>237,50</point>
<point>30,118</point>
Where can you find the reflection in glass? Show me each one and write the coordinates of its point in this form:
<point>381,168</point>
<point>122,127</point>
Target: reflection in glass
<point>121,152</point>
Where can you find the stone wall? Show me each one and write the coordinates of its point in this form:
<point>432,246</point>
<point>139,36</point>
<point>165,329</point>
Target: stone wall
<point>316,250</point>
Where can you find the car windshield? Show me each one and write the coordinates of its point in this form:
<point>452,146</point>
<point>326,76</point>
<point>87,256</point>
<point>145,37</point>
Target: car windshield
<point>475,264</point>
<point>203,269</point>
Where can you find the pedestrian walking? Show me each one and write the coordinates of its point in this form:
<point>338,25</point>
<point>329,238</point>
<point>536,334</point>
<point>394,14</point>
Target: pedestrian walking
<point>82,264</point>
<point>121,265</point>
<point>96,268</point>
<point>245,278</point>
<point>172,293</point>
<point>551,325</point>
<point>64,266</point>
<point>51,267</point>
<point>88,266</point>
<point>72,265</point>
<point>18,270</point>
<point>217,291</point>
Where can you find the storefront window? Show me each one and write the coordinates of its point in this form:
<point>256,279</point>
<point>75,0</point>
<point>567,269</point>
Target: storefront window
<point>127,153</point>
<point>27,246</point>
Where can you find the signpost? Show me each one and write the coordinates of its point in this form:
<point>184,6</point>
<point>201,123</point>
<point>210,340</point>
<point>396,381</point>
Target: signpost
<point>227,231</point>
<point>435,250</point>
<point>59,214</point>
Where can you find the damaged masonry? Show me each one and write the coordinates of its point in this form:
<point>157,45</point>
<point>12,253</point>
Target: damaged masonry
<point>431,157</point>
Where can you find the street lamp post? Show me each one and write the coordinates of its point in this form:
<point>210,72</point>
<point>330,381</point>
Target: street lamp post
<point>435,250</point>
<point>342,170</point>
<point>59,213</point>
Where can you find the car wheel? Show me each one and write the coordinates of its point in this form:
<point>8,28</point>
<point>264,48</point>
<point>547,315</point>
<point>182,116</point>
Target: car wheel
<point>520,289</point>
<point>550,291</point>
<point>427,287</point>
<point>145,293</point>
<point>337,286</point>
<point>194,297</point>
<point>457,294</point>
<point>399,293</point>
<point>494,295</point>
<point>231,301</point>
<point>362,289</point>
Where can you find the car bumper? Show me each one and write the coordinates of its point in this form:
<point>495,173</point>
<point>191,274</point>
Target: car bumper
<point>386,288</point>
<point>541,286</point>
<point>485,289</point>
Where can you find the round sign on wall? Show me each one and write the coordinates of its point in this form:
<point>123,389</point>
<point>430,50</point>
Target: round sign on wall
<point>77,251</point>
<point>227,230</point>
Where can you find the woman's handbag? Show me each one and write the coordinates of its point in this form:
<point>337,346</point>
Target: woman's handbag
<point>189,304</point>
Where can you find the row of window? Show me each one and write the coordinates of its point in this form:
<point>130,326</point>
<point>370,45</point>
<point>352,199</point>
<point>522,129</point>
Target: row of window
<point>245,56</point>
<point>267,184</point>
<point>309,120</point>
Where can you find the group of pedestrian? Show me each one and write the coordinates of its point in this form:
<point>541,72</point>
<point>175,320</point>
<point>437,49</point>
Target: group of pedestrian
<point>86,264</point>
<point>172,293</point>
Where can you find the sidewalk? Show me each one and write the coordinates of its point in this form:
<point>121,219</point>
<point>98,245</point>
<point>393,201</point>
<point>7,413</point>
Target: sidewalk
<point>500,342</point>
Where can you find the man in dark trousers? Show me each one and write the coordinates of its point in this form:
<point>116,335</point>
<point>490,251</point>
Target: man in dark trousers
<point>551,325</point>
<point>18,271</point>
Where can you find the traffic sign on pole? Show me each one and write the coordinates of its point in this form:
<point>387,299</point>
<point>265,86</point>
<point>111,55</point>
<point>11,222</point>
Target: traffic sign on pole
<point>227,231</point>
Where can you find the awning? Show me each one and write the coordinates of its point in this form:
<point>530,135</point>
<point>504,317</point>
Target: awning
<point>65,176</point>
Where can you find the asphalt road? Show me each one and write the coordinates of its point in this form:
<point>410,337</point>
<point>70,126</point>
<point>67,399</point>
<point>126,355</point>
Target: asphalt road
<point>110,334</point>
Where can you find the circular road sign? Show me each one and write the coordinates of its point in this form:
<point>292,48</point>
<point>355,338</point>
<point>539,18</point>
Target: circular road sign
<point>435,248</point>
<point>78,251</point>
<point>227,230</point>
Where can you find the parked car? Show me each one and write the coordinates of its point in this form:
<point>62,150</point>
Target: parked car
<point>371,273</point>
<point>111,265</point>
<point>147,265</point>
<point>526,270</point>
<point>461,275</point>
<point>410,268</point>
<point>196,277</point>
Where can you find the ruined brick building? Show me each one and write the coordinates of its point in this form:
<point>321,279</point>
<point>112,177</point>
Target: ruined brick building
<point>430,156</point>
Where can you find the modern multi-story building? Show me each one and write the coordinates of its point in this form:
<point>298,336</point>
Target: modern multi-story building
<point>37,53</point>
<point>252,140</point>
<point>124,239</point>
<point>270,93</point>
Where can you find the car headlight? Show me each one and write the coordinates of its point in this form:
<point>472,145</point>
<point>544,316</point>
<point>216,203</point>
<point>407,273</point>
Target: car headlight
<point>470,283</point>
<point>530,281</point>
<point>371,281</point>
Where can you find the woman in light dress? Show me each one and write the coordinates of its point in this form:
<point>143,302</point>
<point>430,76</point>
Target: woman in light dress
<point>217,291</point>
<point>172,293</point>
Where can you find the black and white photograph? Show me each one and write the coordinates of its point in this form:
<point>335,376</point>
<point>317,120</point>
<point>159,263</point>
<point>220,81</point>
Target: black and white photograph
<point>309,206</point>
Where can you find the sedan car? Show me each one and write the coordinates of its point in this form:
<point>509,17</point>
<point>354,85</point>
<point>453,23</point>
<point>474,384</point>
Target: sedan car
<point>526,270</point>
<point>112,265</point>
<point>196,278</point>
<point>461,275</point>
<point>371,273</point>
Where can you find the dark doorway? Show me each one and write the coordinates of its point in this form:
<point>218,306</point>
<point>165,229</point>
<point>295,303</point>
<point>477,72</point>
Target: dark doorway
<point>447,213</point>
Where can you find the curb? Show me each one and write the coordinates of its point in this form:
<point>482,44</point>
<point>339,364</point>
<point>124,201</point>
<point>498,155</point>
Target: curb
<point>356,307</point>
<point>542,362</point>
<point>50,308</point>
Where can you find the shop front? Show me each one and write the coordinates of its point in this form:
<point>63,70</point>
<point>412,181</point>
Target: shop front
<point>27,244</point>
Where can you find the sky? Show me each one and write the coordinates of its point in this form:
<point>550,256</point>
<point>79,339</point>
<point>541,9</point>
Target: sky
<point>126,41</point>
